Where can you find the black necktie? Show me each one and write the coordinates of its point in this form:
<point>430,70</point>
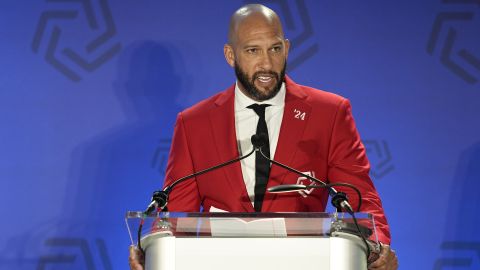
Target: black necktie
<point>262,165</point>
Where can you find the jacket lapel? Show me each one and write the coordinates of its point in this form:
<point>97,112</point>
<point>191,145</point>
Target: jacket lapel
<point>295,118</point>
<point>222,120</point>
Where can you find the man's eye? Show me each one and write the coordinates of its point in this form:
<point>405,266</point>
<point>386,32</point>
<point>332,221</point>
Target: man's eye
<point>277,48</point>
<point>252,50</point>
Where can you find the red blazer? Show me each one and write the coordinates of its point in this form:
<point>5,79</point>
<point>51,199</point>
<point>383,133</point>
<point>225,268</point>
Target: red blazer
<point>318,134</point>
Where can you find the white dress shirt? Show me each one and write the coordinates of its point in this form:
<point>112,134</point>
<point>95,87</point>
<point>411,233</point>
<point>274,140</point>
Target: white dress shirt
<point>246,121</point>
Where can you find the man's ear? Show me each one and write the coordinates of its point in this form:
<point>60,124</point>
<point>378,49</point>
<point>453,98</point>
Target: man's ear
<point>287,47</point>
<point>229,54</point>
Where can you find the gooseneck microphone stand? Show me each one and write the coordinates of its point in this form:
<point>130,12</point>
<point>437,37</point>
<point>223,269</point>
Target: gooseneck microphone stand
<point>160,197</point>
<point>339,199</point>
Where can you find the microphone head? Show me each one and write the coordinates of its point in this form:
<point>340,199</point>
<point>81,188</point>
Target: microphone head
<point>159,200</point>
<point>259,140</point>
<point>161,197</point>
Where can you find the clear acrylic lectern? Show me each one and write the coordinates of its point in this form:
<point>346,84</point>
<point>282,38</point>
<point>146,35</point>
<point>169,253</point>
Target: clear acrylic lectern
<point>277,241</point>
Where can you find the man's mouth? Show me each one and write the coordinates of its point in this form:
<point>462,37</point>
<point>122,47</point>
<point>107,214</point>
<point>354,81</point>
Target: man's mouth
<point>265,79</point>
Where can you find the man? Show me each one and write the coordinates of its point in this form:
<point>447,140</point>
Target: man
<point>308,129</point>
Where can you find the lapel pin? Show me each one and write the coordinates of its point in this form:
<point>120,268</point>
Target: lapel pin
<point>299,114</point>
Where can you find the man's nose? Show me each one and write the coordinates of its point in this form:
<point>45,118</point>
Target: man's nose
<point>265,61</point>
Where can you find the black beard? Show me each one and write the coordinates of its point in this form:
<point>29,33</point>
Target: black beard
<point>252,90</point>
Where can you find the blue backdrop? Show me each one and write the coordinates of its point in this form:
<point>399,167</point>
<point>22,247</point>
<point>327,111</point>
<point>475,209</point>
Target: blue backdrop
<point>89,91</point>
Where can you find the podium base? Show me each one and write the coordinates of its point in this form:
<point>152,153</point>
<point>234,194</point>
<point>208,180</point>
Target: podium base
<point>164,252</point>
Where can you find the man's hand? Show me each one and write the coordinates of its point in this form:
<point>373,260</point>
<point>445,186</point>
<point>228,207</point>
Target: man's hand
<point>136,259</point>
<point>387,260</point>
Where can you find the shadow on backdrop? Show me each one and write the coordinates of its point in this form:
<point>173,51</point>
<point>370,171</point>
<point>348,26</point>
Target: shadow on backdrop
<point>114,171</point>
<point>117,170</point>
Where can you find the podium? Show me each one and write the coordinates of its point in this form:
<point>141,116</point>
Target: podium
<point>180,241</point>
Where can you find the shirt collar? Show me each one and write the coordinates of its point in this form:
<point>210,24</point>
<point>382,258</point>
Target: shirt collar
<point>242,100</point>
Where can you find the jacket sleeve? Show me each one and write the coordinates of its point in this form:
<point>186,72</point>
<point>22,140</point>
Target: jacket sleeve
<point>185,196</point>
<point>347,162</point>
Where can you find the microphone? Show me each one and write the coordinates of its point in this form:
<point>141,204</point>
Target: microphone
<point>339,199</point>
<point>160,197</point>
<point>259,140</point>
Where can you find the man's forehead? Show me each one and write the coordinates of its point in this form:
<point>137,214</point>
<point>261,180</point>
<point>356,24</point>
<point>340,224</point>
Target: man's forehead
<point>260,38</point>
<point>256,20</point>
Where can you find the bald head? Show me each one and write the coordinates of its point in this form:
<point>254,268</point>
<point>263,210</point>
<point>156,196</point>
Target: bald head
<point>249,15</point>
